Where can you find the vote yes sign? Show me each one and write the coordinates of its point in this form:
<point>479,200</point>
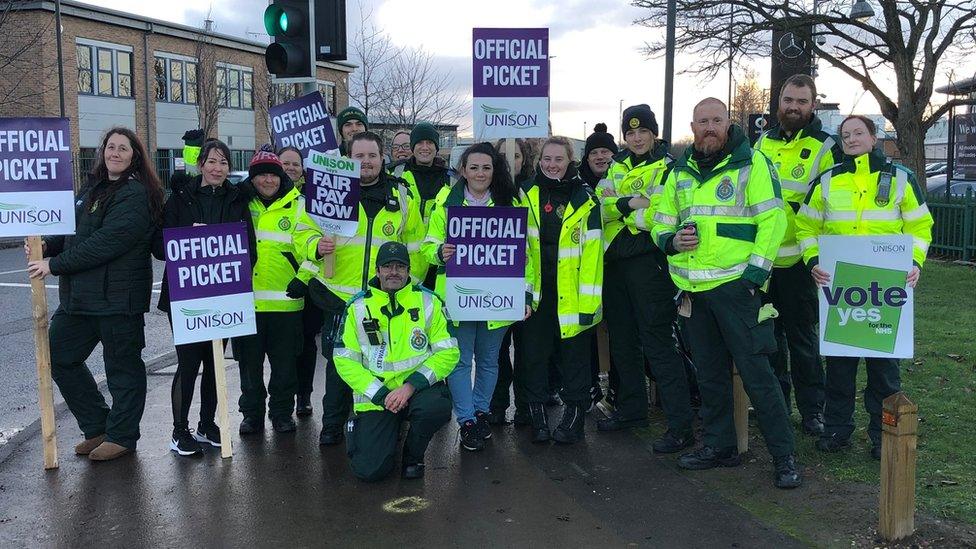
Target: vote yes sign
<point>486,274</point>
<point>867,310</point>
<point>36,190</point>
<point>208,269</point>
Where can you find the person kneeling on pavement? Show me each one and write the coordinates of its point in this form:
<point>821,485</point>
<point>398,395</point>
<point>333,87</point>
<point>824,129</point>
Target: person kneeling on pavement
<point>394,353</point>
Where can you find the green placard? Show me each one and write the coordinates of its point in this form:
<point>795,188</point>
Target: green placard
<point>856,319</point>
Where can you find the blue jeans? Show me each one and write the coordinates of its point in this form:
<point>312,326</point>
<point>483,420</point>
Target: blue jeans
<point>478,342</point>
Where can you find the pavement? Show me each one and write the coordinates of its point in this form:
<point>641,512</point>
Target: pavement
<point>610,490</point>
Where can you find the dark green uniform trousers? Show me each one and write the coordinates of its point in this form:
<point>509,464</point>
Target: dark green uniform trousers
<point>797,359</point>
<point>884,380</point>
<point>724,328</point>
<point>337,400</point>
<point>539,342</point>
<point>638,298</point>
<point>279,338</point>
<point>371,437</point>
<point>72,339</point>
<point>501,397</point>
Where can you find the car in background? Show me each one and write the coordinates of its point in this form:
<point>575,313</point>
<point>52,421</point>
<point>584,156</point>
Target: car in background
<point>936,185</point>
<point>935,168</point>
<point>236,177</point>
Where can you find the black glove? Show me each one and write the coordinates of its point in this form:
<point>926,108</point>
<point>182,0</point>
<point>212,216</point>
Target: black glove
<point>296,289</point>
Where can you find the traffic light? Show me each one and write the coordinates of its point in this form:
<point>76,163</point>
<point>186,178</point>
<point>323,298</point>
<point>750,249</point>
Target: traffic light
<point>290,25</point>
<point>330,30</point>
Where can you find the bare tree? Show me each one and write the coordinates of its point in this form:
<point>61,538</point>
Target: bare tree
<point>909,41</point>
<point>209,94</point>
<point>420,92</point>
<point>750,97</point>
<point>374,52</point>
<point>28,73</point>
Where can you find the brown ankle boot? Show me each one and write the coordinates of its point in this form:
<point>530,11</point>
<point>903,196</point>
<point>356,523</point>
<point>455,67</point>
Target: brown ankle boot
<point>86,446</point>
<point>107,451</point>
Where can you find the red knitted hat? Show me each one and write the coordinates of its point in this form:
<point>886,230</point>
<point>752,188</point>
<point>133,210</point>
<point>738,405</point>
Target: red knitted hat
<point>266,162</point>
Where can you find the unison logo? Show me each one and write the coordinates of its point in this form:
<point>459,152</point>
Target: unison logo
<point>886,248</point>
<point>483,299</point>
<point>28,214</point>
<point>196,319</point>
<point>509,118</point>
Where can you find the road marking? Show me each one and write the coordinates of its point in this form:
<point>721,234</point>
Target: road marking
<point>407,504</point>
<point>49,286</point>
<point>13,272</point>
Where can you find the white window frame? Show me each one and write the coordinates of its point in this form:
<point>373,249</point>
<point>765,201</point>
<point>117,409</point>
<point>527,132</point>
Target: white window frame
<point>96,45</point>
<point>168,59</point>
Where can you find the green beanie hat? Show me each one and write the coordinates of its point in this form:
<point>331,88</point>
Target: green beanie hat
<point>351,113</point>
<point>425,130</point>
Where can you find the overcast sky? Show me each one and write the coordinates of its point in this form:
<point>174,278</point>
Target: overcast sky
<point>594,43</point>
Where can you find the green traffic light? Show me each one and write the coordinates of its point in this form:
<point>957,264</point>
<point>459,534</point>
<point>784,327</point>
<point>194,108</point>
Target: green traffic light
<point>283,22</point>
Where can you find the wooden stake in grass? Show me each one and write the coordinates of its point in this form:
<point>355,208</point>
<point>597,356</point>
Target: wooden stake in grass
<point>220,380</point>
<point>899,436</point>
<point>42,352</point>
<point>740,407</point>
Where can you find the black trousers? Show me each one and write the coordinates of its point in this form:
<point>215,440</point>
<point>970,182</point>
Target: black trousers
<point>724,328</point>
<point>884,380</point>
<point>500,398</point>
<point>312,318</point>
<point>797,359</point>
<point>539,341</point>
<point>640,310</point>
<point>337,400</point>
<point>188,360</point>
<point>372,436</point>
<point>279,338</point>
<point>72,339</point>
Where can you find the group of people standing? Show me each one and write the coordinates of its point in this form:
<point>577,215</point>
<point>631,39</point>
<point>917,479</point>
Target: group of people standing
<point>718,245</point>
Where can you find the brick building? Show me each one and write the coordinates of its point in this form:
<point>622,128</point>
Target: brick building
<point>156,77</point>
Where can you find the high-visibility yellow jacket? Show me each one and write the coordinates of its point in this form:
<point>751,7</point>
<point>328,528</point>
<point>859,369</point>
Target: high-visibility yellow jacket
<point>846,200</point>
<point>739,212</point>
<point>437,235</point>
<point>411,343</point>
<point>798,161</point>
<point>284,232</point>
<point>355,256</point>
<point>626,181</point>
<point>426,206</point>
<point>579,269</point>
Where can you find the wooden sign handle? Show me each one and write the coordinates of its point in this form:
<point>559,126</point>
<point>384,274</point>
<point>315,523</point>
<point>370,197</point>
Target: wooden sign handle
<point>42,353</point>
<point>220,380</point>
<point>328,260</point>
<point>740,412</point>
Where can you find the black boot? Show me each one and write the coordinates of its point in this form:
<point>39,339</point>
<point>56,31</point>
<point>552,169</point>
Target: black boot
<point>570,429</point>
<point>540,423</point>
<point>303,405</point>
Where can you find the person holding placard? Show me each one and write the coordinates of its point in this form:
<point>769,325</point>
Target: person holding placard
<point>571,265</point>
<point>312,317</point>
<point>484,182</point>
<point>387,212</point>
<point>394,350</point>
<point>105,283</point>
<point>720,220</point>
<point>205,199</point>
<point>865,194</point>
<point>284,231</point>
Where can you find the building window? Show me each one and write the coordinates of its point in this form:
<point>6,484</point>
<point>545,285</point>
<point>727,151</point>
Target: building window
<point>176,80</point>
<point>103,70</point>
<point>235,88</point>
<point>327,89</point>
<point>239,159</point>
<point>282,93</point>
<point>84,69</point>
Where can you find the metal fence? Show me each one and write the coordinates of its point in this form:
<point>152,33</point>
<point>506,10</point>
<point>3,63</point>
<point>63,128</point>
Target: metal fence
<point>954,233</point>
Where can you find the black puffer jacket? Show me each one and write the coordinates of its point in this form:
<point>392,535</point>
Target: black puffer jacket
<point>105,268</point>
<point>192,203</point>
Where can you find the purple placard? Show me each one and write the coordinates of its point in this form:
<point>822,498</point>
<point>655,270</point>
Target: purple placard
<point>511,62</point>
<point>303,123</point>
<point>35,155</point>
<point>490,241</point>
<point>207,261</point>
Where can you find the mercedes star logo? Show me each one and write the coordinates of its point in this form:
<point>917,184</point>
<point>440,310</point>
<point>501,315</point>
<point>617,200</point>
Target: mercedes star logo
<point>790,46</point>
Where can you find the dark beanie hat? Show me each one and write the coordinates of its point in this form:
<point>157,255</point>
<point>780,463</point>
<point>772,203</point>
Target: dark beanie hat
<point>425,130</point>
<point>351,113</point>
<point>599,139</point>
<point>638,116</point>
